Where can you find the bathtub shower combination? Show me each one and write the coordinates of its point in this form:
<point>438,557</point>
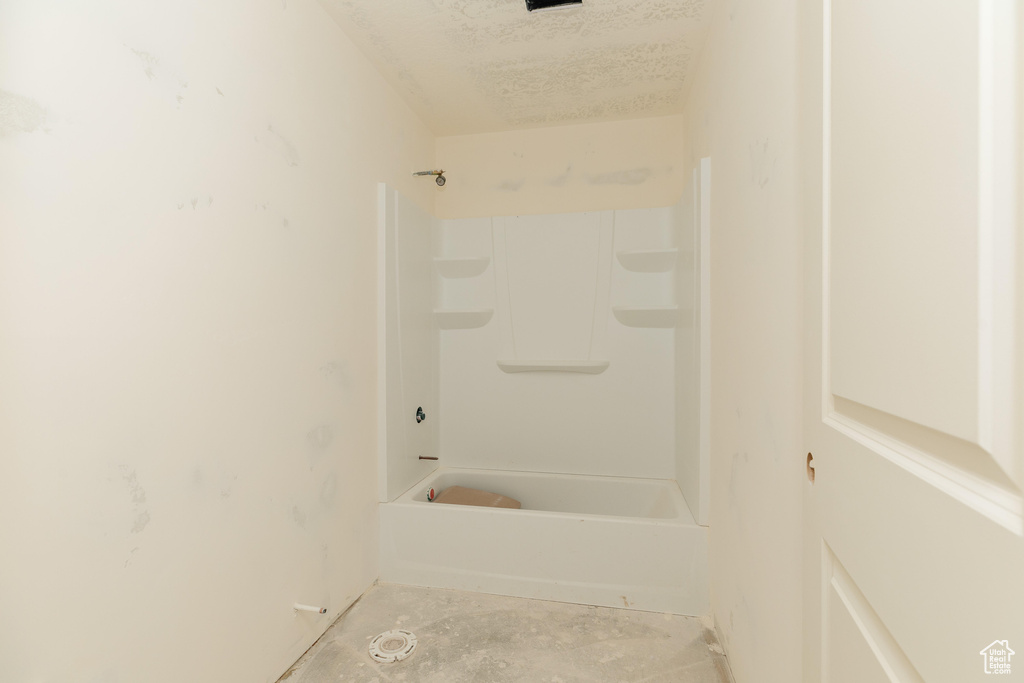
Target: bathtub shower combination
<point>559,360</point>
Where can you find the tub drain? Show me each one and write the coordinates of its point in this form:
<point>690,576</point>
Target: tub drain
<point>392,646</point>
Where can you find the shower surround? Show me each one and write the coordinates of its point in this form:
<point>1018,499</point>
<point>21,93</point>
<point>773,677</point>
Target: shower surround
<point>557,361</point>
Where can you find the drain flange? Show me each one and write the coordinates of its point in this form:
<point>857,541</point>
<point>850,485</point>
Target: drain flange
<point>392,646</point>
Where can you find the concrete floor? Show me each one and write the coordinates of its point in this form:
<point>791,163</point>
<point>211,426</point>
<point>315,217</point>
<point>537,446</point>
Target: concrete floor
<point>471,637</point>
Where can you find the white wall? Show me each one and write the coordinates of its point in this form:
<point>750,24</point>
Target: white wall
<point>743,113</point>
<point>187,241</point>
<point>631,164</point>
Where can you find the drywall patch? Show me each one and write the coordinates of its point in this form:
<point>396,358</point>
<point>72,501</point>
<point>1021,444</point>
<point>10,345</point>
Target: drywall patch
<point>19,114</point>
<point>636,176</point>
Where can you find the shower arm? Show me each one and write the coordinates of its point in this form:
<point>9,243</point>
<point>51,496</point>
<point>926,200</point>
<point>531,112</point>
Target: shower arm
<point>440,180</point>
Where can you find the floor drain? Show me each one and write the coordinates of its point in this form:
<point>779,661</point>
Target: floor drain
<point>392,646</point>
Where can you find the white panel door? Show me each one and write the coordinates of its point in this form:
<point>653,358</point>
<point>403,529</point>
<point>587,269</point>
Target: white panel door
<point>914,549</point>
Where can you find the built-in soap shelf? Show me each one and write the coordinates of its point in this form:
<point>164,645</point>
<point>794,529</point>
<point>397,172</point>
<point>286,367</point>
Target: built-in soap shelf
<point>649,260</point>
<point>462,318</point>
<point>647,316</point>
<point>589,367</point>
<point>452,268</point>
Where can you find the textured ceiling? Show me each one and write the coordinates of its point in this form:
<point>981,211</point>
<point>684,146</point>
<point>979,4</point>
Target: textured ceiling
<point>470,66</point>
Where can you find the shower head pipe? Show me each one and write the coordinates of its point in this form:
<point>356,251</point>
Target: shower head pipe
<point>440,180</point>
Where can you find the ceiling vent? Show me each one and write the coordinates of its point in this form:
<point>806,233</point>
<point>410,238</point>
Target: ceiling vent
<point>545,5</point>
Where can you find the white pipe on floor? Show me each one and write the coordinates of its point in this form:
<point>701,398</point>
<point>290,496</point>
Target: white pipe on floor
<point>309,608</point>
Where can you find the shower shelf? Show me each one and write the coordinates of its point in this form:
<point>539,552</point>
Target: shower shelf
<point>462,318</point>
<point>647,316</point>
<point>649,260</point>
<point>589,367</point>
<point>461,267</point>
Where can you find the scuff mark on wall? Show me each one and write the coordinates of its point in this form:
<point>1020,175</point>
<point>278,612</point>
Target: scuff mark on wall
<point>172,85</point>
<point>511,185</point>
<point>337,374</point>
<point>141,520</point>
<point>320,437</point>
<point>298,516</point>
<point>763,161</point>
<point>636,176</point>
<point>738,476</point>
<point>138,494</point>
<point>328,489</point>
<point>198,202</point>
<point>277,142</point>
<point>561,180</point>
<point>19,114</point>
<point>325,562</point>
<point>138,498</point>
<point>149,62</point>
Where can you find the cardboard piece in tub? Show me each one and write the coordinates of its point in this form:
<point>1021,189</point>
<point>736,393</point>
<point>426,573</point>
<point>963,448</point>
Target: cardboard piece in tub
<point>460,495</point>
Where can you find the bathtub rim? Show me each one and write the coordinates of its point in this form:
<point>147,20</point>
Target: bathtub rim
<point>683,518</point>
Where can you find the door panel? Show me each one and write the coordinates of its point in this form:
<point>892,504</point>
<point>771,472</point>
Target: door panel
<point>904,270</point>
<point>914,556</point>
<point>857,646</point>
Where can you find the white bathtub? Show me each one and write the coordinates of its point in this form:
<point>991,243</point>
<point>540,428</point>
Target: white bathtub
<point>605,541</point>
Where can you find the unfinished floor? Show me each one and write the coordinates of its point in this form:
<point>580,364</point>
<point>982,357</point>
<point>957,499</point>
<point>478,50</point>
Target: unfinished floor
<point>464,637</point>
